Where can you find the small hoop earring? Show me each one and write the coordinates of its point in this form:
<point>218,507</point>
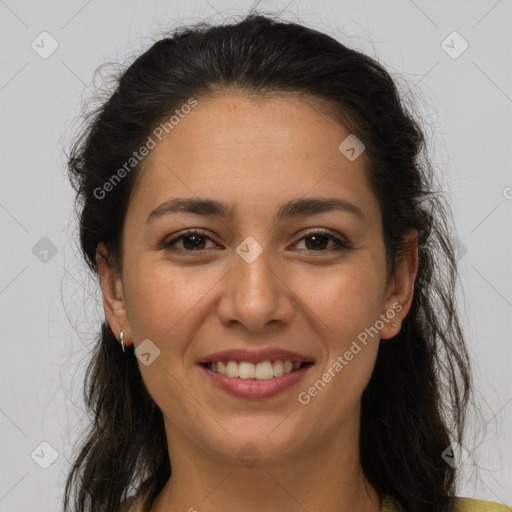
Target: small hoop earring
<point>121,335</point>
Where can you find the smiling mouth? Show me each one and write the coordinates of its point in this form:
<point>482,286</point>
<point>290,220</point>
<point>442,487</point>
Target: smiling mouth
<point>264,370</point>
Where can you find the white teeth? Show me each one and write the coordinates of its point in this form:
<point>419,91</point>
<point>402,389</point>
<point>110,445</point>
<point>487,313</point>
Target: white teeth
<point>232,369</point>
<point>262,371</point>
<point>247,370</point>
<point>278,368</point>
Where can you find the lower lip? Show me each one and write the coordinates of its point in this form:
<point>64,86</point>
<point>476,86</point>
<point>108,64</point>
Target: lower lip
<point>254,388</point>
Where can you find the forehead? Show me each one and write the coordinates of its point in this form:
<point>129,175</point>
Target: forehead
<point>236,123</point>
<point>237,147</point>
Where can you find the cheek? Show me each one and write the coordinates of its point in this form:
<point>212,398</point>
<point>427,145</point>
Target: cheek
<point>348,303</point>
<point>161,301</point>
<point>345,299</point>
<point>348,306</point>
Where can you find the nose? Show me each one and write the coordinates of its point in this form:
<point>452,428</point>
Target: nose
<point>256,294</point>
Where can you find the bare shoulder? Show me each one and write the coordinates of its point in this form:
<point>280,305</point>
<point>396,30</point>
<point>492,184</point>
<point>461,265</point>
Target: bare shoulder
<point>472,505</point>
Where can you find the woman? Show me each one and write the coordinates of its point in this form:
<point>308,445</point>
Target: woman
<point>278,285</point>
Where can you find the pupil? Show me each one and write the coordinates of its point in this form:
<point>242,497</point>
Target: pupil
<point>193,245</point>
<point>317,237</point>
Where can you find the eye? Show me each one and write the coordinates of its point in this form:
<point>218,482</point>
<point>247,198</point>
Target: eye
<point>194,241</point>
<point>318,240</point>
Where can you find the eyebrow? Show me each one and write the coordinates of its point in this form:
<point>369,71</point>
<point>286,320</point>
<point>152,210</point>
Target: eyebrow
<point>293,208</point>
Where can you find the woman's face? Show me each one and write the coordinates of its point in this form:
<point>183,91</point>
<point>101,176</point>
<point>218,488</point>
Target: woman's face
<point>269,275</point>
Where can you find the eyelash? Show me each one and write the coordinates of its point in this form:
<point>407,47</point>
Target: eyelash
<point>340,245</point>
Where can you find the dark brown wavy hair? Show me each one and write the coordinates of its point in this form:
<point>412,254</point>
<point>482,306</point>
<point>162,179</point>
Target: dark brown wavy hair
<point>416,401</point>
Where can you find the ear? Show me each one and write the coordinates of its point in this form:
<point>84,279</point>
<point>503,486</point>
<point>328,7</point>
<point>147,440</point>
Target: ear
<point>113,296</point>
<point>400,290</point>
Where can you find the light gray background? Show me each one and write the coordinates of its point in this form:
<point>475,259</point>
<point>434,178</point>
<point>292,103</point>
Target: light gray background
<point>50,310</point>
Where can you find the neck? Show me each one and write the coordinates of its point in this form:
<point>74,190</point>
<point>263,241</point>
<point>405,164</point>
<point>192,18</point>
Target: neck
<point>325,477</point>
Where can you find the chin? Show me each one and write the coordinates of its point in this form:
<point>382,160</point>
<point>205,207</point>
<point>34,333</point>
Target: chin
<point>254,441</point>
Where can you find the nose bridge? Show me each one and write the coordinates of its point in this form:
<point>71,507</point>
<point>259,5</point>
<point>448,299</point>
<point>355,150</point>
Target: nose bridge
<point>256,294</point>
<point>253,268</point>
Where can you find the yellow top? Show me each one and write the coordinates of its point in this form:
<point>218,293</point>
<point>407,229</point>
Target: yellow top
<point>461,505</point>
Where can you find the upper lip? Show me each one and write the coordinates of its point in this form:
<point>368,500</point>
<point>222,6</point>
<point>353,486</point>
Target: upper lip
<point>256,356</point>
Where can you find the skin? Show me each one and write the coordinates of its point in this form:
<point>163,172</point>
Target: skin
<point>257,155</point>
